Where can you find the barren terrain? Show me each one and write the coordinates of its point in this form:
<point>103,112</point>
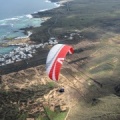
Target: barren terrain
<point>90,78</point>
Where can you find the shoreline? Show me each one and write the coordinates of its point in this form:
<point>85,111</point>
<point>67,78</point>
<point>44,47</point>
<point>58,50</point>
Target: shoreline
<point>26,30</point>
<point>27,40</point>
<point>32,15</point>
<point>43,19</point>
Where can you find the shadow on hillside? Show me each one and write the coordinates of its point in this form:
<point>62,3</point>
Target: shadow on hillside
<point>110,24</point>
<point>78,60</point>
<point>102,72</point>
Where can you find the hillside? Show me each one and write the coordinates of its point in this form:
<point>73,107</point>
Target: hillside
<point>90,76</point>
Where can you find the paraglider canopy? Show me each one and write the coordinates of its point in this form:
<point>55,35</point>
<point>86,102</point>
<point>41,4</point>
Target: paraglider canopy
<point>55,59</point>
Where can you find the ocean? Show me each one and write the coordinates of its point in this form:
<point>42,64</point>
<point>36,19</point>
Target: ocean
<point>16,14</point>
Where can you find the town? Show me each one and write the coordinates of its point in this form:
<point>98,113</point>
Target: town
<point>23,51</point>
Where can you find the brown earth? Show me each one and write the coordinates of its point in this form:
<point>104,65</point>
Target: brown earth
<point>90,77</point>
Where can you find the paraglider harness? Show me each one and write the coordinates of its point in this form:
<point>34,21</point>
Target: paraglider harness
<point>61,90</point>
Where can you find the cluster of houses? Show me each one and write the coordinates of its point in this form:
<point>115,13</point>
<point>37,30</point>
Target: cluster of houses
<point>70,36</point>
<point>23,51</point>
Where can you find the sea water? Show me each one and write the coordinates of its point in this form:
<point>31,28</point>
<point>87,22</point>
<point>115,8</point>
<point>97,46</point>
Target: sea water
<point>16,14</point>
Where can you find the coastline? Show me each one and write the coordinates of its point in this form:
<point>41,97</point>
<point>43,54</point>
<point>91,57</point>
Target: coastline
<point>43,18</point>
<point>42,32</point>
<point>20,41</point>
<point>27,40</point>
<point>24,28</point>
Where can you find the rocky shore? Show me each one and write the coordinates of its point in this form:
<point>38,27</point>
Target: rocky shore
<point>26,45</point>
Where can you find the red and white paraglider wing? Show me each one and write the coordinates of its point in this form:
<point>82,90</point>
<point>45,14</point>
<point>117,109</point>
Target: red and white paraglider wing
<point>55,59</point>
